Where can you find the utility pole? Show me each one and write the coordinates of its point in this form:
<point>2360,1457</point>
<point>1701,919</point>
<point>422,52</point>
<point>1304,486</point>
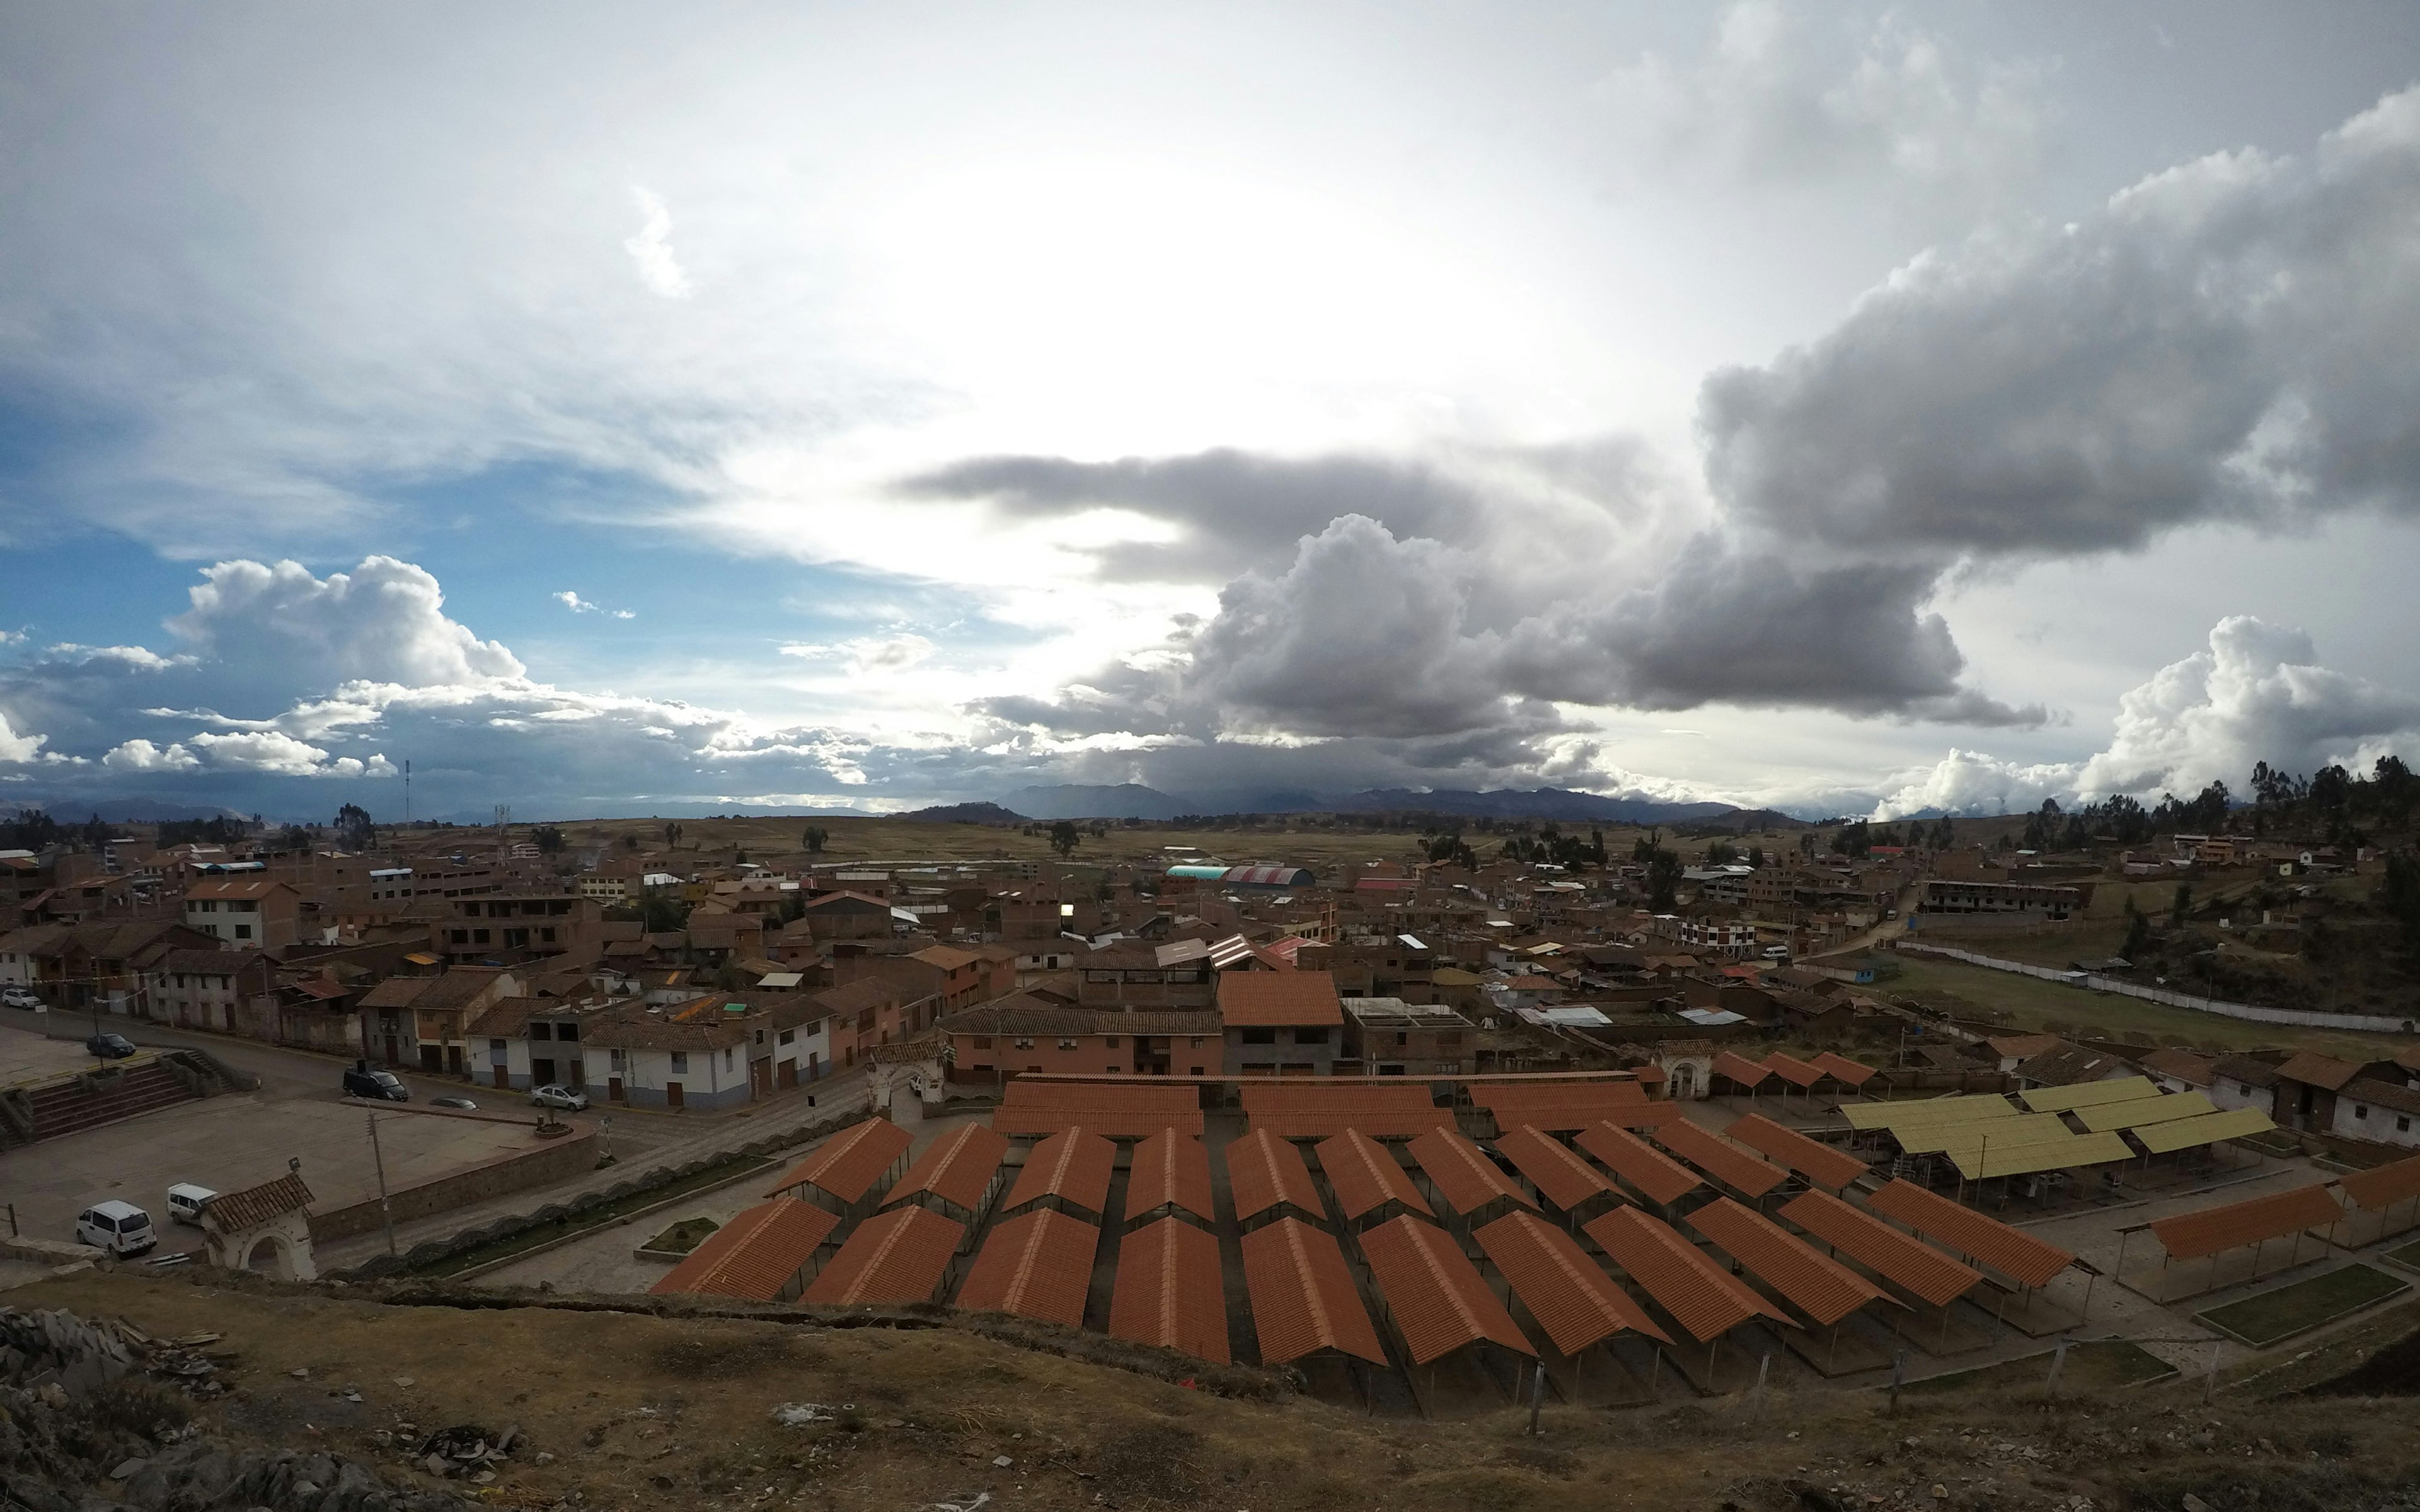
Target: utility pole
<point>407,792</point>
<point>379,1159</point>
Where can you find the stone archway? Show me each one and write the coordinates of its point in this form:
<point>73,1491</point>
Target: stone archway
<point>270,1256</point>
<point>1683,1082</point>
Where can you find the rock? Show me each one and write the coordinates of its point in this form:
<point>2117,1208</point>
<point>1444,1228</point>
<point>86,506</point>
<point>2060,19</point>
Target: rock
<point>403,1380</point>
<point>485,1477</point>
<point>304,1490</point>
<point>1002,1461</point>
<point>544,1459</point>
<point>2194,1503</point>
<point>437,1465</point>
<point>1940,1492</point>
<point>301,1372</point>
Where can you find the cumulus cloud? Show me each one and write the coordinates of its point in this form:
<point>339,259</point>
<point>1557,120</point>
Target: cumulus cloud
<point>868,654</point>
<point>2255,693</point>
<point>15,747</point>
<point>651,250</point>
<point>578,605</point>
<point>280,632</point>
<point>140,755</point>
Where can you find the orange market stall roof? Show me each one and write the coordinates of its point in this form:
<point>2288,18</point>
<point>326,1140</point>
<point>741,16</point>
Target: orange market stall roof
<point>1264,1170</point>
<point>895,1257</point>
<point>2382,1186</point>
<point>957,1168</point>
<point>1826,1166</point>
<point>1799,1073</point>
<point>1466,1180</point>
<point>1557,1106</point>
<point>1725,1163</point>
<point>1171,1291</point>
<point>2013,1252</point>
<point>1657,1176</point>
<point>1890,1253</point>
<point>1707,1301</point>
<point>1842,1070</point>
<point>1816,1285</point>
<point>1303,1298</point>
<point>1366,1176</point>
<point>1074,1166</point>
<point>1037,1265</point>
<point>1170,1170</point>
<point>1558,1173</point>
<point>756,1255</point>
<point>1300,1110</point>
<point>1118,1110</point>
<point>850,1162</point>
<point>1733,1066</point>
<point>2190,1235</point>
<point>1569,1294</point>
<point>1434,1294</point>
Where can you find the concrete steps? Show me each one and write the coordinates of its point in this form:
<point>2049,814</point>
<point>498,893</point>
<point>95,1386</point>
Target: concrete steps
<point>68,1107</point>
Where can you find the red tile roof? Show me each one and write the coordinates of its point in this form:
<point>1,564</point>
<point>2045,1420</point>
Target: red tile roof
<point>1738,1068</point>
<point>756,1255</point>
<point>1704,1298</point>
<point>1303,1298</point>
<point>1569,1294</point>
<point>1652,1173</point>
<point>1304,1110</point>
<point>1268,999</point>
<point>1035,1265</point>
<point>2382,1186</point>
<point>1842,1070</point>
<point>1171,1291</point>
<point>1790,1069</point>
<point>1895,1256</point>
<point>1817,1285</point>
<point>1559,1175</point>
<point>1435,1296</point>
<point>1118,1110</point>
<point>1725,1163</point>
<point>2190,1235</point>
<point>1264,1170</point>
<point>1073,1165</point>
<point>1465,1179</point>
<point>1170,1169</point>
<point>1366,1176</point>
<point>896,1256</point>
<point>2013,1252</point>
<point>957,1168</point>
<point>1827,1166</point>
<point>850,1162</point>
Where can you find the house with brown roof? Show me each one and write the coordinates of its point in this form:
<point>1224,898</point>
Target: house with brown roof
<point>2179,1070</point>
<point>2310,1085</point>
<point>246,913</point>
<point>694,1055</point>
<point>2009,1051</point>
<point>845,916</point>
<point>1027,1033</point>
<point>2381,1111</point>
<point>233,992</point>
<point>2068,1065</point>
<point>869,1011</point>
<point>81,966</point>
<point>2245,1081</point>
<point>1281,1022</point>
<point>423,1021</point>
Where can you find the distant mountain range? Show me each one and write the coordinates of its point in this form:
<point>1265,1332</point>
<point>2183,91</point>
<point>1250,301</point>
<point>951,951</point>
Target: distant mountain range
<point>1134,801</point>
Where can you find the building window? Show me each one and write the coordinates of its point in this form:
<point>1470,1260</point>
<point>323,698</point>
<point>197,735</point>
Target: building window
<point>1109,1040</point>
<point>614,1058</point>
<point>1026,1045</point>
<point>1314,1036</point>
<point>787,1036</point>
<point>566,1031</point>
<point>726,1057</point>
<point>243,932</point>
<point>1261,1036</point>
<point>1194,1045</point>
<point>760,1037</point>
<point>982,1042</point>
<point>2402,1125</point>
<point>2361,1110</point>
<point>496,1046</point>
<point>1067,1044</point>
<point>1196,1072</point>
<point>541,1031</point>
<point>681,1061</point>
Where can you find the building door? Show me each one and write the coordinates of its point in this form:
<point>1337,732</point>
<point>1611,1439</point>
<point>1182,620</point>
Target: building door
<point>541,1071</point>
<point>454,1059</point>
<point>788,1073</point>
<point>673,1095</point>
<point>760,1077</point>
<point>504,1076</point>
<point>614,1089</point>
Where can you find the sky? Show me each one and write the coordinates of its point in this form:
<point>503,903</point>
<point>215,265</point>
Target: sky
<point>617,409</point>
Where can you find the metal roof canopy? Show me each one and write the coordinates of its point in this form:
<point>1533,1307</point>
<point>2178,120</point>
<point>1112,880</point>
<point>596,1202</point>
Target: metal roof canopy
<point>2025,1129</point>
<point>1569,1294</point>
<point>2020,1256</point>
<point>1434,1294</point>
<point>2185,1134</point>
<point>756,1255</point>
<point>2134,1113</point>
<point>1303,1111</point>
<point>1797,1072</point>
<point>2381,1186</point>
<point>1733,1066</point>
<point>2088,1094</point>
<point>1955,1109</point>
<point>1119,1111</point>
<point>1814,1283</point>
<point>1842,1070</point>
<point>1303,1297</point>
<point>1171,1291</point>
<point>1981,1161</point>
<point>1894,1255</point>
<point>850,1162</point>
<point>1704,1298</point>
<point>2188,1236</point>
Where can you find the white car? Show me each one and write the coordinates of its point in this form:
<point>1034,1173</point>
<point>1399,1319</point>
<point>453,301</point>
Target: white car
<point>119,1227</point>
<point>186,1202</point>
<point>18,997</point>
<point>557,1096</point>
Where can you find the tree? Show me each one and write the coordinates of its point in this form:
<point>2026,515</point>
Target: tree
<point>294,838</point>
<point>630,842</point>
<point>1755,856</point>
<point>1720,853</point>
<point>815,837</point>
<point>2392,789</point>
<point>1945,834</point>
<point>549,840</point>
<point>2180,911</point>
<point>2401,894</point>
<point>1066,837</point>
<point>354,830</point>
<point>672,836</point>
<point>1853,840</point>
<point>1663,881</point>
<point>2138,932</point>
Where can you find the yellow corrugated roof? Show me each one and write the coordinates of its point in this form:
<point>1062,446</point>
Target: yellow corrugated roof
<point>2185,1134</point>
<point>2135,1112</point>
<point>2088,1094</point>
<point>1979,1161</point>
<point>1930,1110</point>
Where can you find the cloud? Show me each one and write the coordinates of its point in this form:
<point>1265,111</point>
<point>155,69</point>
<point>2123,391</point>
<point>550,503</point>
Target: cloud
<point>282,755</point>
<point>143,756</point>
<point>578,605</point>
<point>652,250</point>
<point>868,654</point>
<point>2255,693</point>
<point>16,748</point>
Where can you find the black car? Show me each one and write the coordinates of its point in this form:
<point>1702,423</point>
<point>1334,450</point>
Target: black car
<point>378,1086</point>
<point>110,1046</point>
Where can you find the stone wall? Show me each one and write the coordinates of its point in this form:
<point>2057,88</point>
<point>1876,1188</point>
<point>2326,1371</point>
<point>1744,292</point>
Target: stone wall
<point>558,1160</point>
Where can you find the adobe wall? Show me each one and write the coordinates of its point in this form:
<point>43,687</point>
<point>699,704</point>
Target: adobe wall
<point>557,1160</point>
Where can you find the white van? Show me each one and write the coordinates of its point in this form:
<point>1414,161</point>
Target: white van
<point>119,1227</point>
<point>186,1202</point>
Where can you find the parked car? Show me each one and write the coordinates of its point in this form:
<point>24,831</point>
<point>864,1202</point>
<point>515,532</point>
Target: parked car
<point>559,1097</point>
<point>378,1086</point>
<point>119,1227</point>
<point>186,1202</point>
<point>18,997</point>
<point>110,1046</point>
<point>452,1102</point>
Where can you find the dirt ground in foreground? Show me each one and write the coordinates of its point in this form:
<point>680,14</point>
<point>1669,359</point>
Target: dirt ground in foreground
<point>629,1410</point>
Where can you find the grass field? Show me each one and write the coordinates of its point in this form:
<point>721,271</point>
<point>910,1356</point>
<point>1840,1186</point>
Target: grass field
<point>2278,1315</point>
<point>2407,1257</point>
<point>2098,1365</point>
<point>2031,1003</point>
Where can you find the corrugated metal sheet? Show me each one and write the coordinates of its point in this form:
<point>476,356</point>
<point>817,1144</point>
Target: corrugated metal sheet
<point>2140,1112</point>
<point>957,1168</point>
<point>1923,1113</point>
<point>1171,1291</point>
<point>1557,1171</point>
<point>1073,1165</point>
<point>896,1256</point>
<point>1120,1111</point>
<point>1725,1163</point>
<point>850,1162</point>
<point>2185,1134</point>
<point>1466,1180</point>
<point>1977,1161</point>
<point>1650,1172</point>
<point>1303,1298</point>
<point>1434,1294</point>
<point>1569,1294</point>
<point>2002,1133</point>
<point>1366,1176</point>
<point>2188,1236</point>
<point>1790,1069</point>
<point>1890,1253</point>
<point>1842,1070</point>
<point>1732,1066</point>
<point>1704,1298</point>
<point>2382,1186</point>
<point>2088,1094</point>
<point>1299,1110</point>
<point>1264,1170</point>
<point>1820,1163</point>
<point>2019,1256</point>
<point>1816,1284</point>
<point>756,1255</point>
<point>1037,1265</point>
<point>1170,1169</point>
